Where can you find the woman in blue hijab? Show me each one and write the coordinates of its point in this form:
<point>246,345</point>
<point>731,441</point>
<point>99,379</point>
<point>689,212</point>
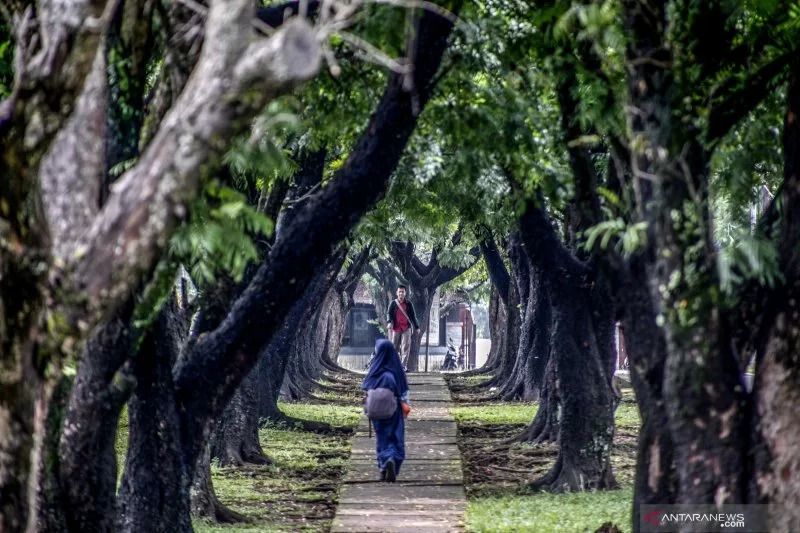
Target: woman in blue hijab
<point>387,372</point>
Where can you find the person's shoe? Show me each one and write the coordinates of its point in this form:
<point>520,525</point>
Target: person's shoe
<point>383,475</point>
<point>391,474</point>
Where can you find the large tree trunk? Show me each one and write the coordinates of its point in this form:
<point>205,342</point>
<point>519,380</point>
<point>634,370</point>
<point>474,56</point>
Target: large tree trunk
<point>703,390</point>
<point>122,241</point>
<point>777,388</point>
<point>88,461</point>
<point>154,495</point>
<point>581,354</point>
<point>656,478</point>
<point>586,424</point>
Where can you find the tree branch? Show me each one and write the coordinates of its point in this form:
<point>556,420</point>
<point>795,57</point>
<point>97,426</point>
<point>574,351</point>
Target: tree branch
<point>735,102</point>
<point>223,357</point>
<point>129,234</point>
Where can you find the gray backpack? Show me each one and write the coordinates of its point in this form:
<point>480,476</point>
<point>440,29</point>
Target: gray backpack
<point>381,404</point>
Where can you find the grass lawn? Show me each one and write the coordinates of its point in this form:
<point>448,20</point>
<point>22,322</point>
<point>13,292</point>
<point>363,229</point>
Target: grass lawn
<point>543,512</point>
<point>496,473</point>
<point>298,492</point>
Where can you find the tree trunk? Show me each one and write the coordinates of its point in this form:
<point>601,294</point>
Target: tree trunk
<point>527,377</point>
<point>545,425</point>
<point>422,298</point>
<point>509,348</point>
<point>497,330</point>
<point>204,501</point>
<point>154,494</point>
<point>656,478</point>
<point>581,354</point>
<point>51,509</point>
<point>235,441</point>
<point>87,448</point>
<point>777,388</point>
<point>221,359</point>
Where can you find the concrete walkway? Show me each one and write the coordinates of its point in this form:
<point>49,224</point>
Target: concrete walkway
<point>429,492</point>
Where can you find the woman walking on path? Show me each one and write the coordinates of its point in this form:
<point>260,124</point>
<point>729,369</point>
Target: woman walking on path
<point>386,372</point>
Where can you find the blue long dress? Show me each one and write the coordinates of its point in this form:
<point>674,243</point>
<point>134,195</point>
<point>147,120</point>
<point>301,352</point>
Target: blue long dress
<point>386,371</point>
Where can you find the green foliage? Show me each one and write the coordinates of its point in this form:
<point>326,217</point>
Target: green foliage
<point>746,165</point>
<point>160,287</point>
<point>263,156</point>
<point>219,237</point>
<point>627,238</point>
<point>6,57</point>
<point>6,69</point>
<point>748,256</point>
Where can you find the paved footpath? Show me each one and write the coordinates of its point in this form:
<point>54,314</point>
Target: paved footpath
<point>429,492</point>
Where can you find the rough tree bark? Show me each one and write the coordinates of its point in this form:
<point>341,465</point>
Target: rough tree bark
<point>777,387</point>
<point>580,358</point>
<point>222,358</point>
<point>656,478</point>
<point>154,494</point>
<point>235,440</point>
<point>701,374</point>
<point>139,213</point>
<point>526,379</point>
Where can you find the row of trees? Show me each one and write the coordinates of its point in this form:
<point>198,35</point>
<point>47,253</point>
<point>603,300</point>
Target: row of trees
<point>86,233</point>
<point>634,187</point>
<point>600,158</point>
